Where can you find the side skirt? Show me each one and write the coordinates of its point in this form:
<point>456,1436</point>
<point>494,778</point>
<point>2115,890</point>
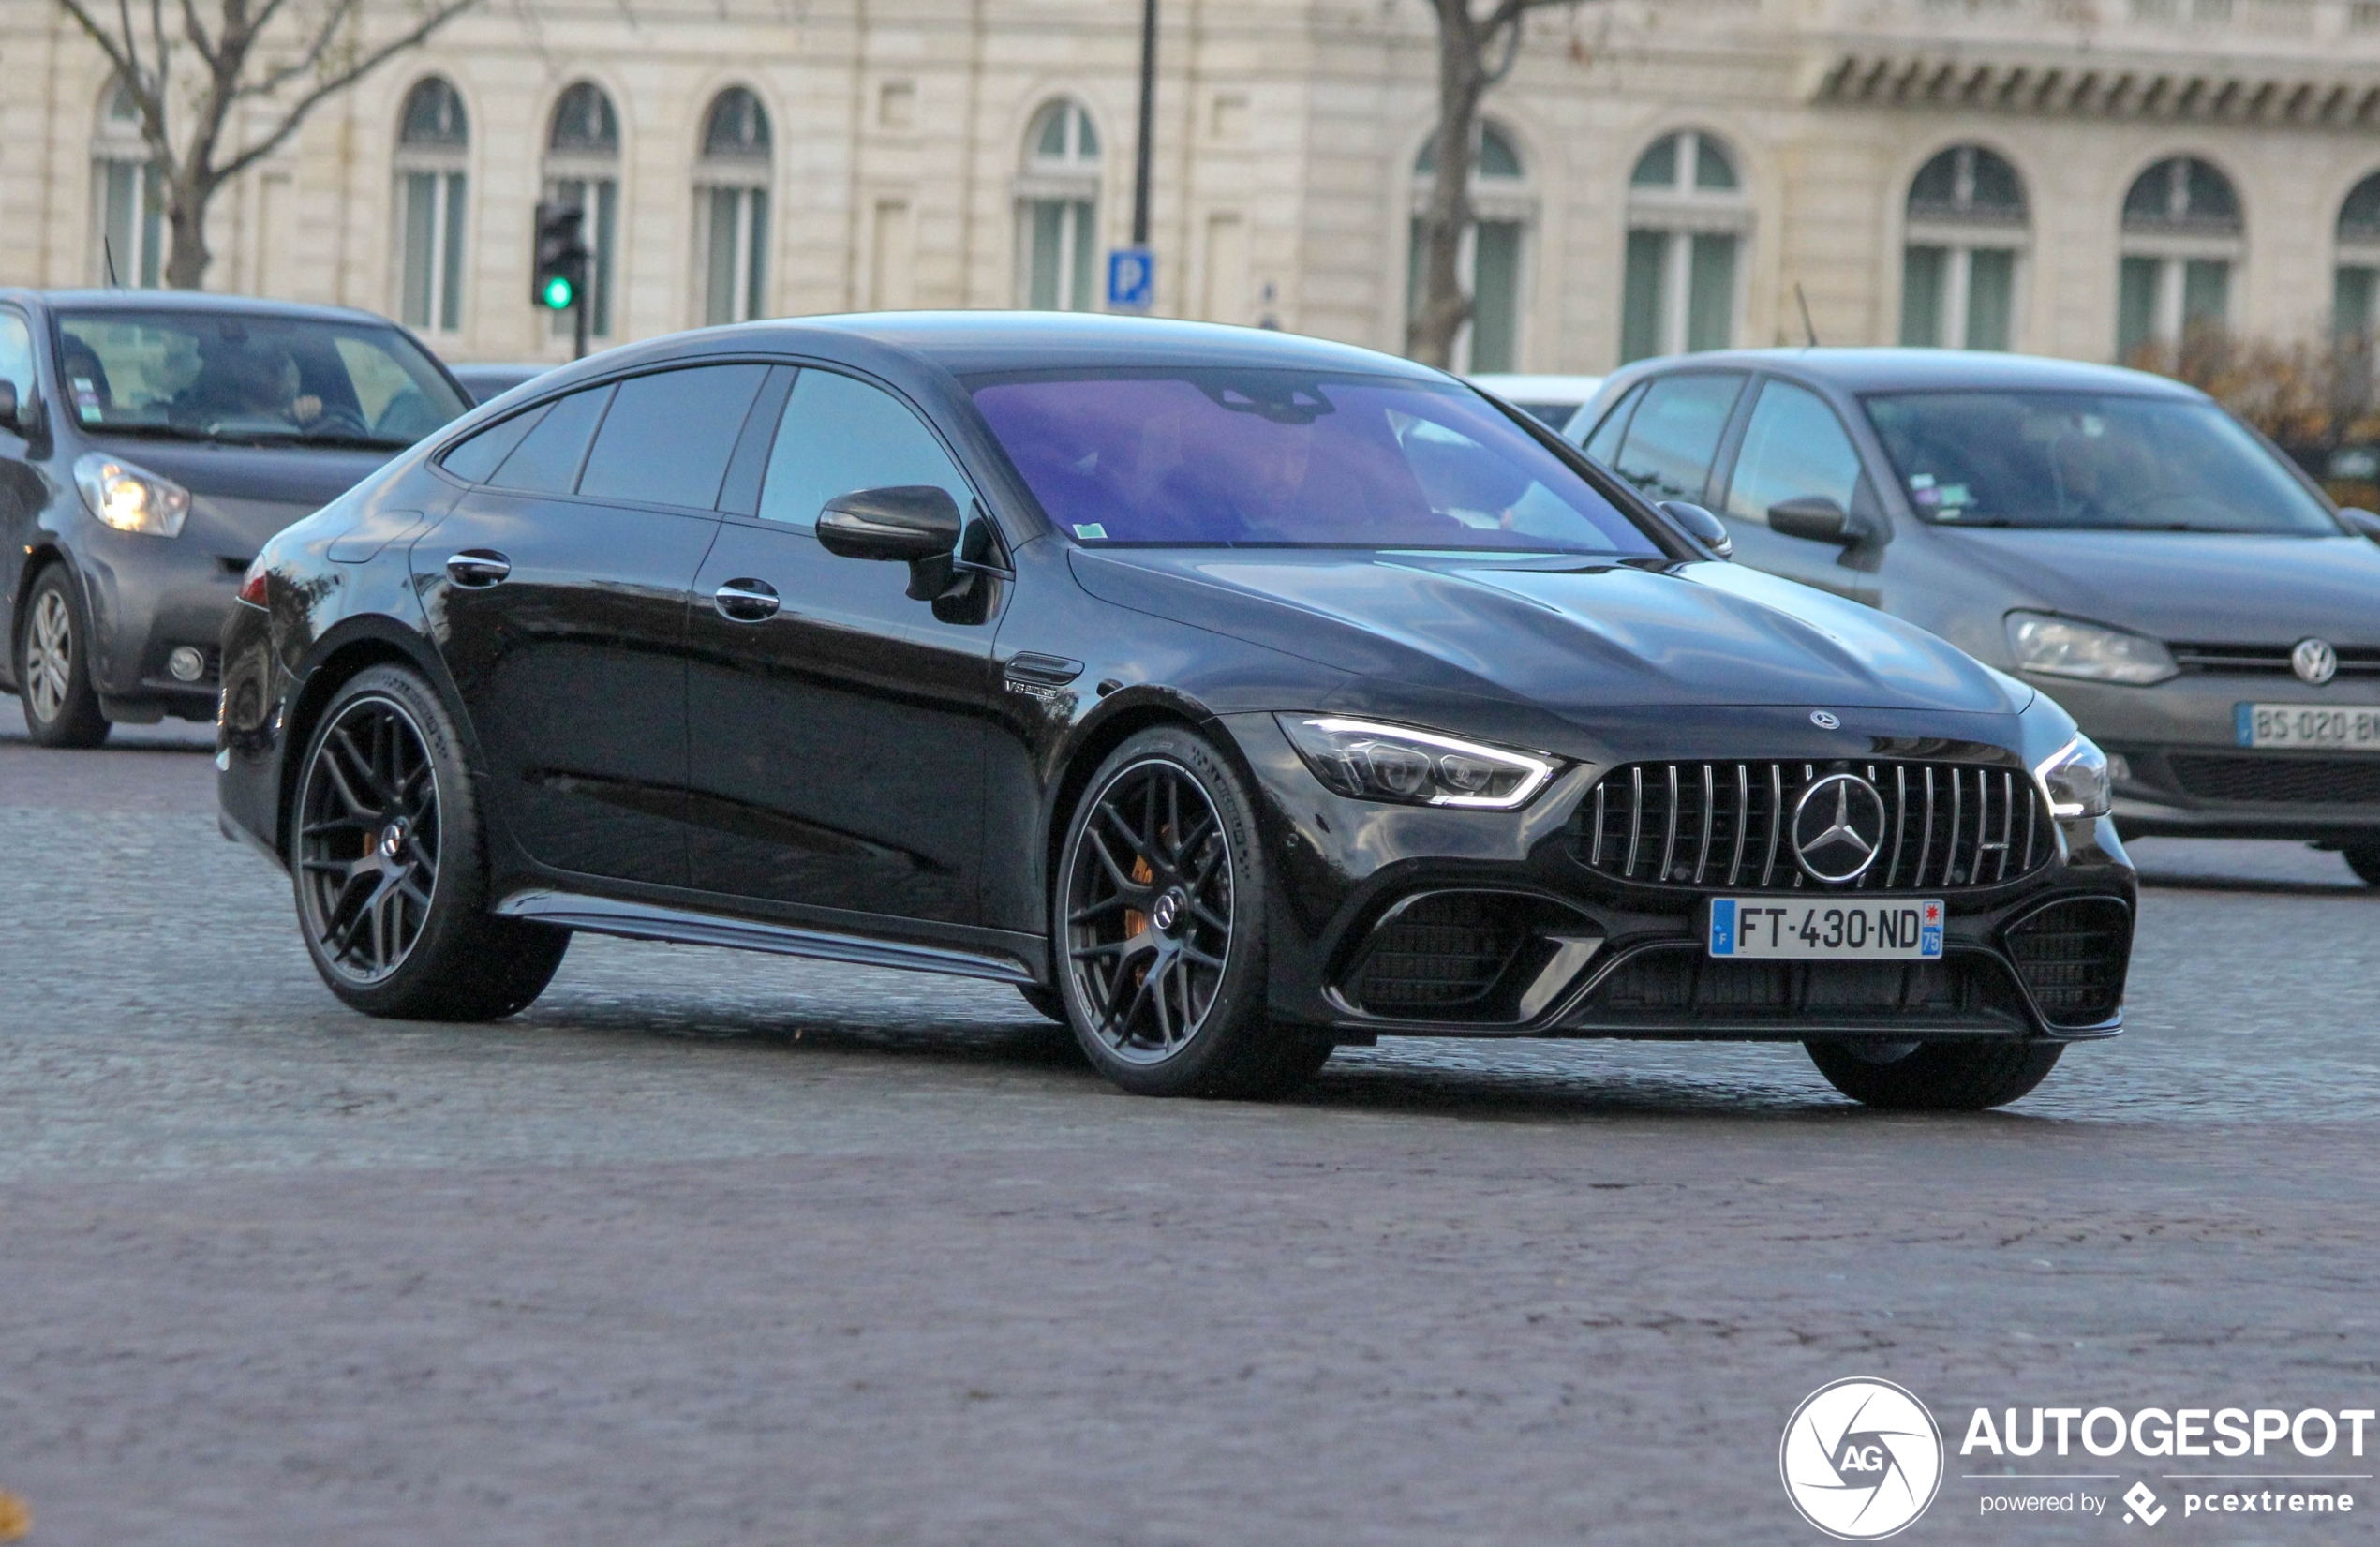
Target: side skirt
<point>648,921</point>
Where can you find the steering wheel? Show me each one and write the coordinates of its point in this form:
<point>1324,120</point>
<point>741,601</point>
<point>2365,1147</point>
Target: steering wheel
<point>338,420</point>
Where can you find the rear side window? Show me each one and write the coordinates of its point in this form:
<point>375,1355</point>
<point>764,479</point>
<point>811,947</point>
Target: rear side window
<point>1606,439</point>
<point>668,437</point>
<point>1674,435</point>
<point>548,459</point>
<point>1794,448</point>
<point>477,457</point>
<point>839,436</point>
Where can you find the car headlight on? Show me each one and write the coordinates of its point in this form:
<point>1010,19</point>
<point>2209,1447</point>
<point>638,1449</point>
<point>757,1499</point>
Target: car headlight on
<point>1373,762</point>
<point>2062,647</point>
<point>130,499</point>
<point>2075,779</point>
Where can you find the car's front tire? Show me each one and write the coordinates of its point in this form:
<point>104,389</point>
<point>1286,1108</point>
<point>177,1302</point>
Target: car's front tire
<point>389,861</point>
<point>1934,1077</point>
<point>1157,917</point>
<point>2365,859</point>
<point>53,664</point>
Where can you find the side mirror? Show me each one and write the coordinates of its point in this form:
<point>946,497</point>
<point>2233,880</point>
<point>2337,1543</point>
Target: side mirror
<point>1700,525</point>
<point>11,410</point>
<point>906,523</point>
<point>1812,516</point>
<point>2362,521</point>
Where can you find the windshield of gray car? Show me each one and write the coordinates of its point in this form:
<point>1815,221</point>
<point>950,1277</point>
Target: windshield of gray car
<point>2098,461</point>
<point>249,380</point>
<point>1279,458</point>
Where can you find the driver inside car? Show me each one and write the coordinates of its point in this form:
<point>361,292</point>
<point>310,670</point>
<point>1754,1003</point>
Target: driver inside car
<point>253,379</point>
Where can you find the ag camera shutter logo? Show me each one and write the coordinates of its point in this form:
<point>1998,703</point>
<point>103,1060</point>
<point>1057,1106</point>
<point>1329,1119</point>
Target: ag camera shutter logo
<point>1861,1459</point>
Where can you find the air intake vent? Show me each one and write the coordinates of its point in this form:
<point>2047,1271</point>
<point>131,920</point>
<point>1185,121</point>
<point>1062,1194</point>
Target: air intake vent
<point>2278,781</point>
<point>1728,827</point>
<point>2072,957</point>
<point>1441,954</point>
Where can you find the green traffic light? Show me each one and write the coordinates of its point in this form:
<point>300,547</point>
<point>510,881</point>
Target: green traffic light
<point>558,293</point>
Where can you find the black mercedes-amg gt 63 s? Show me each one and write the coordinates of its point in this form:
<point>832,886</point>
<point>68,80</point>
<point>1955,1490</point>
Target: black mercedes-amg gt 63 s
<point>1233,695</point>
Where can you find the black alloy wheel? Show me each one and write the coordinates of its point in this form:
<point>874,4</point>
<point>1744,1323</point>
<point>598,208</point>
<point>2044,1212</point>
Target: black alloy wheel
<point>1934,1077</point>
<point>389,862</point>
<point>1161,930</point>
<point>53,666</point>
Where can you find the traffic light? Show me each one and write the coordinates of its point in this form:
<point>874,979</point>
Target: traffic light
<point>561,257</point>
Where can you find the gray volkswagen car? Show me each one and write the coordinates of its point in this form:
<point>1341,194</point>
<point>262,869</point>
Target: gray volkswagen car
<point>150,442</point>
<point>2115,538</point>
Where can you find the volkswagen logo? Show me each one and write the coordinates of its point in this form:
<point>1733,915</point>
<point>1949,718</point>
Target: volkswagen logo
<point>1823,720</point>
<point>2314,661</point>
<point>1838,828</point>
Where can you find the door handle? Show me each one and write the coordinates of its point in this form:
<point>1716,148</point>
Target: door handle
<point>477,568</point>
<point>746,601</point>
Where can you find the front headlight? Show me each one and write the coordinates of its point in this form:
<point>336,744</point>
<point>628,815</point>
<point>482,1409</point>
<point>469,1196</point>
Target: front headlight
<point>2075,779</point>
<point>2060,646</point>
<point>130,499</point>
<point>1372,762</point>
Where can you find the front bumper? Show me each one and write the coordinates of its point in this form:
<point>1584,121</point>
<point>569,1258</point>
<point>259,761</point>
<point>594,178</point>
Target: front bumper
<point>1501,913</point>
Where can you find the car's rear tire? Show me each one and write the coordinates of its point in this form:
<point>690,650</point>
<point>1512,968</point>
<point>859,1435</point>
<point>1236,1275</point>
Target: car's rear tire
<point>2365,859</point>
<point>1934,1077</point>
<point>1157,920</point>
<point>53,664</point>
<point>387,859</point>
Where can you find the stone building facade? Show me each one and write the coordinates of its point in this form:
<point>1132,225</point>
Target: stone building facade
<point>2062,176</point>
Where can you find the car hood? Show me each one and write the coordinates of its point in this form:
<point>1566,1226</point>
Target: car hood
<point>1563,632</point>
<point>242,494</point>
<point>2204,588</point>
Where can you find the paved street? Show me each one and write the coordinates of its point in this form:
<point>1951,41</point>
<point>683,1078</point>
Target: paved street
<point>708,1248</point>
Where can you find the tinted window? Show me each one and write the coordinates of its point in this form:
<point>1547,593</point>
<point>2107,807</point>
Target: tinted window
<point>1793,449</point>
<point>1606,439</point>
<point>480,454</point>
<point>1292,459</point>
<point>1674,434</point>
<point>2083,459</point>
<point>16,354</point>
<point>546,460</point>
<point>668,437</point>
<point>840,435</point>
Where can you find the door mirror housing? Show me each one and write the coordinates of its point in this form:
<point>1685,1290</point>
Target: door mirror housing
<point>1700,525</point>
<point>16,411</point>
<point>1813,517</point>
<point>907,523</point>
<point>2362,521</point>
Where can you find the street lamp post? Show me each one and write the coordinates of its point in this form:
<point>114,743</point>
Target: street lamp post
<point>1148,123</point>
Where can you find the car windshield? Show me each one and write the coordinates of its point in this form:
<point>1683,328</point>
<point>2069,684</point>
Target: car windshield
<point>251,379</point>
<point>1272,458</point>
<point>2102,462</point>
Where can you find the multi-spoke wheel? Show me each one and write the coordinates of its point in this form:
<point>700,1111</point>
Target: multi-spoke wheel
<point>389,864</point>
<point>61,707</point>
<point>1160,930</point>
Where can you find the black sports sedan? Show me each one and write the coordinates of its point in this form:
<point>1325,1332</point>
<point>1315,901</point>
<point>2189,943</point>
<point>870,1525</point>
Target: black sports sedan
<point>150,442</point>
<point>1233,695</point>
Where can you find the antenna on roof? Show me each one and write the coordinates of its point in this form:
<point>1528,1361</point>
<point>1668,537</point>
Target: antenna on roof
<point>108,248</point>
<point>1809,332</point>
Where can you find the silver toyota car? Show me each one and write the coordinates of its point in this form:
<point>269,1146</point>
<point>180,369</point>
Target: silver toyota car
<point>2117,538</point>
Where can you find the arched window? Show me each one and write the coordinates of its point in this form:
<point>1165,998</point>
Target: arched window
<point>1058,210</point>
<point>1489,263</point>
<point>1965,237</point>
<point>128,196</point>
<point>2354,301</point>
<point>2182,237</point>
<point>731,208</point>
<point>582,168</point>
<point>1686,222</point>
<point>433,194</point>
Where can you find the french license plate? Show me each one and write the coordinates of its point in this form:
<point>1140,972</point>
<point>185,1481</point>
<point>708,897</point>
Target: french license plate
<point>1833,929</point>
<point>2349,728</point>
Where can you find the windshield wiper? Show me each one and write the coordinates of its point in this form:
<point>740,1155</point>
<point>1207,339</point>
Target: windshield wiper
<point>151,432</point>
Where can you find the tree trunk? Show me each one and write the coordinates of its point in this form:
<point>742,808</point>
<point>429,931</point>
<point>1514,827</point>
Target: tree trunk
<point>1461,82</point>
<point>186,255</point>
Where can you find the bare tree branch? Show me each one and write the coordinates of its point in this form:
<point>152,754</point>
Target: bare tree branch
<point>332,84</point>
<point>273,81</point>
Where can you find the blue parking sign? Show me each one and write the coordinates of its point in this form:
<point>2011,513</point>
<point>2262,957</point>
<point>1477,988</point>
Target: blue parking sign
<point>1132,279</point>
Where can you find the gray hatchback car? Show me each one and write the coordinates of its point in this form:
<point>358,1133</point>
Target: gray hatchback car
<point>2114,537</point>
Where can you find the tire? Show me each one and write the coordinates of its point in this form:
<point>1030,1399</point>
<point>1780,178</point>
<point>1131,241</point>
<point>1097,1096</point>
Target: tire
<point>1935,1077</point>
<point>2365,859</point>
<point>1157,916</point>
<point>388,860</point>
<point>53,664</point>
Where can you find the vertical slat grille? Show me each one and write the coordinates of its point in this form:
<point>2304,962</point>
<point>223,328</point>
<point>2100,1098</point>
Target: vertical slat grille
<point>1723,826</point>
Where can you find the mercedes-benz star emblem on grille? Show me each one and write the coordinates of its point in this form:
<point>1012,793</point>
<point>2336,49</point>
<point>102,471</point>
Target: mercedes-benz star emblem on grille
<point>2314,661</point>
<point>1838,828</point>
<point>1823,720</point>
